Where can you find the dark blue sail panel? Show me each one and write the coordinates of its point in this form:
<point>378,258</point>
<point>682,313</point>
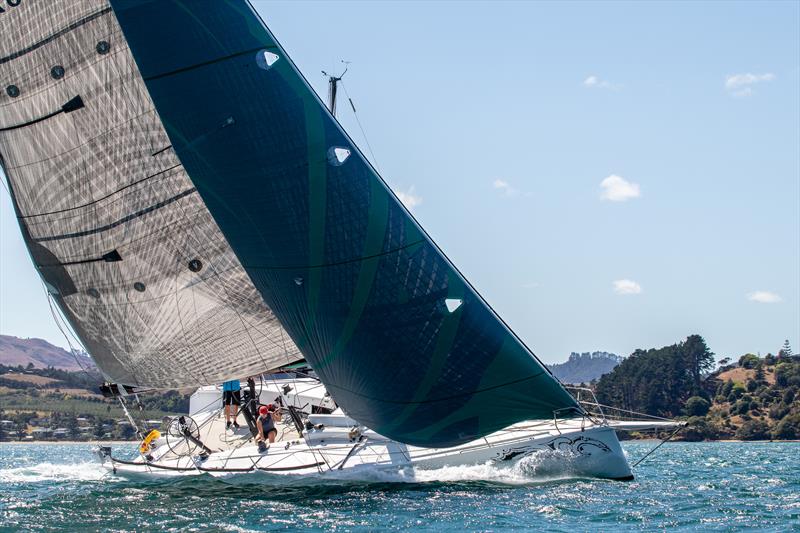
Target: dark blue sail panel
<point>400,339</point>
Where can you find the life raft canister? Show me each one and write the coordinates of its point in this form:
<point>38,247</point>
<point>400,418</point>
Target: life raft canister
<point>144,447</point>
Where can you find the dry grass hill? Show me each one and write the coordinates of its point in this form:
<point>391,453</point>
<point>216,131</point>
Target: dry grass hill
<point>15,351</point>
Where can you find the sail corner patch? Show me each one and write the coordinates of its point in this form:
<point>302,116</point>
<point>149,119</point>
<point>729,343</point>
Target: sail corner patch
<point>112,256</point>
<point>337,155</point>
<point>73,105</point>
<point>265,59</point>
<point>452,304</point>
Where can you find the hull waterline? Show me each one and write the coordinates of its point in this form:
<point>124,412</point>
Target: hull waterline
<point>561,450</point>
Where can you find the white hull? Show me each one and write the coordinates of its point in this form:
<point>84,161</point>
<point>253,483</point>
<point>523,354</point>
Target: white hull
<point>569,450</point>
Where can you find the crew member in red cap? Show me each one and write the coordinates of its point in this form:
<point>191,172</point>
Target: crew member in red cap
<point>267,416</point>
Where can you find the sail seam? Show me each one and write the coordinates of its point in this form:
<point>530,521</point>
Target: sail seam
<point>345,262</point>
<point>205,63</point>
<point>54,36</point>
<point>156,298</point>
<point>83,145</point>
<point>116,223</point>
<point>73,105</point>
<point>444,399</point>
<point>110,257</point>
<point>100,199</point>
<point>161,151</point>
<point>31,122</point>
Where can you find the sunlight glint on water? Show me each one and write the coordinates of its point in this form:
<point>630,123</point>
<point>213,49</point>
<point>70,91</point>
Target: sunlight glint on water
<point>702,486</point>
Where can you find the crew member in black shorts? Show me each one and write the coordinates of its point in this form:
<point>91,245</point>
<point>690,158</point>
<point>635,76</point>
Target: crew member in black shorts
<point>231,399</point>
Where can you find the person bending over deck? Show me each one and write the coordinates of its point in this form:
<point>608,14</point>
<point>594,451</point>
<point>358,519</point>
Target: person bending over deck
<point>267,416</point>
<point>231,399</point>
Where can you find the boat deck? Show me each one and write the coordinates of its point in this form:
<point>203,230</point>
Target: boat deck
<point>215,436</point>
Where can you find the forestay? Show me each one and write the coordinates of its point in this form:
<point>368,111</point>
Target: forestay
<point>398,336</point>
<point>120,236</point>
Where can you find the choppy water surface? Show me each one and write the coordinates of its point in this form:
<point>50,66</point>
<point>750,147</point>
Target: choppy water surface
<point>690,486</point>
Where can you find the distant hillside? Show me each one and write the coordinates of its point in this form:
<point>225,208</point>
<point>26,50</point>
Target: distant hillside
<point>585,367</point>
<point>753,399</point>
<point>40,353</point>
<point>51,404</point>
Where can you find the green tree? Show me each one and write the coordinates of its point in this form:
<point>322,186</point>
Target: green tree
<point>749,360</point>
<point>788,428</point>
<point>753,430</point>
<point>778,411</point>
<point>697,406</point>
<point>658,381</point>
<point>789,394</point>
<point>787,374</point>
<point>737,391</point>
<point>699,428</point>
<point>786,350</point>
<point>699,358</point>
<point>742,406</point>
<point>727,388</point>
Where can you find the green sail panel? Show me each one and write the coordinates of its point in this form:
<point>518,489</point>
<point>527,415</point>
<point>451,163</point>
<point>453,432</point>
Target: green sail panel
<point>402,342</point>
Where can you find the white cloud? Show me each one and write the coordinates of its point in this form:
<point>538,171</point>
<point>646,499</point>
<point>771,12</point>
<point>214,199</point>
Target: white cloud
<point>409,198</point>
<point>618,189</point>
<point>735,81</point>
<point>593,82</point>
<point>741,84</point>
<point>764,297</point>
<point>505,187</point>
<point>627,286</point>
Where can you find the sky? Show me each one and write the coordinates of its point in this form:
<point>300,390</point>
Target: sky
<point>609,176</point>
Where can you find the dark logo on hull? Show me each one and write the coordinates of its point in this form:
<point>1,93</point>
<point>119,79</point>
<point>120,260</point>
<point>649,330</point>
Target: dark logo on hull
<point>579,446</point>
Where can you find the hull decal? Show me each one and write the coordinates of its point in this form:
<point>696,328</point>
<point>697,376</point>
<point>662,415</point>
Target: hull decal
<point>578,446</point>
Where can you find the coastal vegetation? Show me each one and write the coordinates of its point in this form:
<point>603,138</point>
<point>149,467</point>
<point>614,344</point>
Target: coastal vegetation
<point>752,398</point>
<point>54,404</point>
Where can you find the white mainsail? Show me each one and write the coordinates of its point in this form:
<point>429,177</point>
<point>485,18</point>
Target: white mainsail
<point>114,225</point>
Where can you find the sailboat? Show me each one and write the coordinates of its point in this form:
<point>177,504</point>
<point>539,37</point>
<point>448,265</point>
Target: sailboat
<point>198,215</point>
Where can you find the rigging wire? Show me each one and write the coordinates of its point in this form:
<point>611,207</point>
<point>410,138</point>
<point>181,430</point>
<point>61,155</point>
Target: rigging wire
<point>659,446</point>
<point>360,126</point>
<point>72,349</point>
<point>635,413</point>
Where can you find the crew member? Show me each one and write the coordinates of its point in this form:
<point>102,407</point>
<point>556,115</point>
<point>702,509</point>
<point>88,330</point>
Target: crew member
<point>231,399</point>
<point>267,416</point>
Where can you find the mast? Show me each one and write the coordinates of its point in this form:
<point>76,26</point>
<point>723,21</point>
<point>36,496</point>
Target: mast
<point>333,82</point>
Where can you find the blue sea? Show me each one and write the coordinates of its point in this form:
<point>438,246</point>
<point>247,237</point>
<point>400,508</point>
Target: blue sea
<point>683,486</point>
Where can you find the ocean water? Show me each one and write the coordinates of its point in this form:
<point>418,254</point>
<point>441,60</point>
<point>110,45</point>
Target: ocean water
<point>684,486</point>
